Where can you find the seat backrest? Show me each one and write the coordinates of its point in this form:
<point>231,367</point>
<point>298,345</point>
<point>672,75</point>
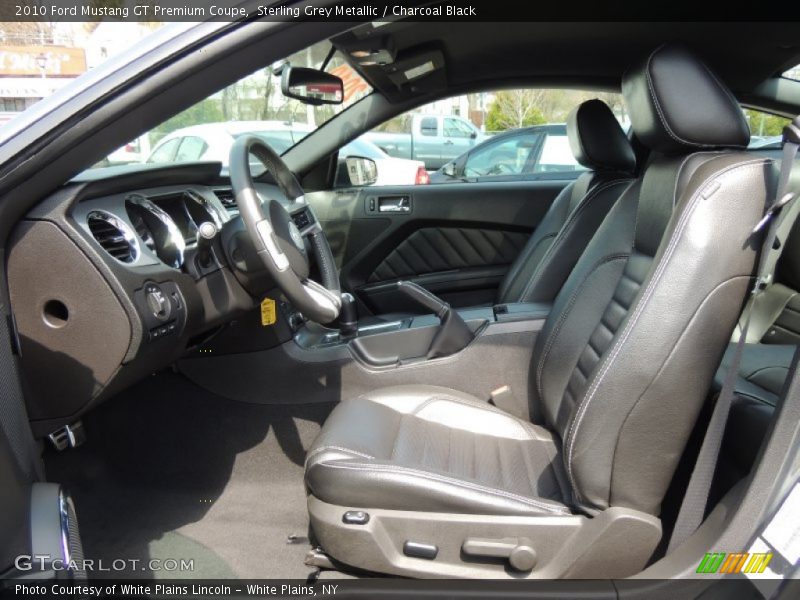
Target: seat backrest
<point>599,144</point>
<point>624,361</point>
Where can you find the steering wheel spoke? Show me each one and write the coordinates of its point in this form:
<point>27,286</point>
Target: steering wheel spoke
<point>282,245</point>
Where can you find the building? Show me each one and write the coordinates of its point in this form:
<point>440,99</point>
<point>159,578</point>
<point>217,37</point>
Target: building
<point>29,73</point>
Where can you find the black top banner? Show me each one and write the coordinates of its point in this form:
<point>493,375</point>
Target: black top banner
<point>379,11</point>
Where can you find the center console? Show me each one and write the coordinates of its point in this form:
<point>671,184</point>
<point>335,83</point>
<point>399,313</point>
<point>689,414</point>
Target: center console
<point>410,339</point>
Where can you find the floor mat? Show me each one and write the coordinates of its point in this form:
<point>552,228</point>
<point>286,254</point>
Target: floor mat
<point>172,471</point>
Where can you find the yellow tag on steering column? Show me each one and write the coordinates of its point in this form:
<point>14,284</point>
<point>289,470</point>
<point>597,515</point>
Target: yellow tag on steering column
<point>268,312</point>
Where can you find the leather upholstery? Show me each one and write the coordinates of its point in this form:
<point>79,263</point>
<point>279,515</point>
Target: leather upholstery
<point>552,251</point>
<point>678,105</point>
<point>539,270</point>
<point>619,372</point>
<point>435,249</point>
<point>762,371</point>
<point>623,369</point>
<point>434,449</point>
<point>598,142</point>
<point>596,139</point>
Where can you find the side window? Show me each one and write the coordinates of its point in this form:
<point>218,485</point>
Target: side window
<point>165,152</point>
<point>429,126</point>
<point>504,135</point>
<point>556,156</point>
<point>507,155</point>
<point>191,148</point>
<point>765,129</point>
<point>456,128</point>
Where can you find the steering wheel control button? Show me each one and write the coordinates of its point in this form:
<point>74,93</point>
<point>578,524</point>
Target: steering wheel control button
<point>355,517</point>
<point>418,550</point>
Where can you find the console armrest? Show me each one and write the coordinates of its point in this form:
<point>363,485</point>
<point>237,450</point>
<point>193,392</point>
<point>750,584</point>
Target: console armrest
<point>522,311</point>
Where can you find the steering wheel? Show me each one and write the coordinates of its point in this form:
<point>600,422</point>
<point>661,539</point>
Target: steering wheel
<point>276,238</point>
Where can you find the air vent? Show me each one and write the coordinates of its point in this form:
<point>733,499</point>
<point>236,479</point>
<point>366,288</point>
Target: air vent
<point>113,235</point>
<point>226,197</point>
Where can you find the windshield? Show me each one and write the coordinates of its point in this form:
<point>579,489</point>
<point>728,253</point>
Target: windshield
<point>253,105</point>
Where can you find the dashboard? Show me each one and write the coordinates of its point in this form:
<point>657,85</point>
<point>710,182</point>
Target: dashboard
<point>120,273</point>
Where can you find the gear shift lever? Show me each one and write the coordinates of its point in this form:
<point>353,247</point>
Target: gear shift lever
<point>348,316</point>
<point>454,334</point>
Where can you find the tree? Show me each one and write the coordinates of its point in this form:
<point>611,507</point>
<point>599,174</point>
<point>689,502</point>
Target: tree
<point>765,124</point>
<point>513,109</point>
<point>207,111</point>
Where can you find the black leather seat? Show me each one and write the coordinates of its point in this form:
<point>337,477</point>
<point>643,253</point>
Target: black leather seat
<point>430,448</point>
<point>619,370</point>
<point>599,144</point>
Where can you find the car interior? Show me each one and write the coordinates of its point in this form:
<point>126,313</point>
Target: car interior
<point>278,377</point>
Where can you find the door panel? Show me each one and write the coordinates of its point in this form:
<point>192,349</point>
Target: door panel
<point>457,240</point>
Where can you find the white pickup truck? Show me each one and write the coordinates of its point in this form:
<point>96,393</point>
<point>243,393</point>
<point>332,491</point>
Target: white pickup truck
<point>433,139</point>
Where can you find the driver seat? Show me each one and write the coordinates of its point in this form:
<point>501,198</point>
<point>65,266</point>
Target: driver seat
<point>428,481</point>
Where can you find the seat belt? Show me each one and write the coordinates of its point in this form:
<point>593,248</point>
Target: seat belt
<point>695,500</point>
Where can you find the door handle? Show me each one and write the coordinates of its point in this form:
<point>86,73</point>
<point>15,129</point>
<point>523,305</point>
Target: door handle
<point>448,142</point>
<point>394,204</point>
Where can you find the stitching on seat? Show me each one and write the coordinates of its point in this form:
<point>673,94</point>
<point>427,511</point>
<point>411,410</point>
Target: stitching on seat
<point>565,313</point>
<point>443,479</point>
<point>340,448</point>
<point>657,106</point>
<point>562,233</point>
<point>612,355</point>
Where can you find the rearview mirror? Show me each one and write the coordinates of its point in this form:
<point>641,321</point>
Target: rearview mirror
<point>361,171</point>
<point>311,86</point>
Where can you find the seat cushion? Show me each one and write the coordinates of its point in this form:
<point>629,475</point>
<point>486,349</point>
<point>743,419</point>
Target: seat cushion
<point>434,449</point>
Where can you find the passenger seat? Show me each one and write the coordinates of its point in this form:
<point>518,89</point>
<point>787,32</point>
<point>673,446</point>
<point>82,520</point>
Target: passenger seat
<point>598,143</point>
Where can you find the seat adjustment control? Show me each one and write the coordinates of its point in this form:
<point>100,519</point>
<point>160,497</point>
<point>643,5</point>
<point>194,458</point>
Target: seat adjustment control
<point>355,517</point>
<point>418,550</point>
<point>519,551</point>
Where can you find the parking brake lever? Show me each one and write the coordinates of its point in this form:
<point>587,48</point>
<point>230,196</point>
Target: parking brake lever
<point>453,335</point>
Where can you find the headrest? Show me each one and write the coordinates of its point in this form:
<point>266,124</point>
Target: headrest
<point>597,140</point>
<point>677,105</point>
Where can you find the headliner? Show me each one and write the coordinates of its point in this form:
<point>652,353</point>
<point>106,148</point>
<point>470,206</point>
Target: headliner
<point>585,54</point>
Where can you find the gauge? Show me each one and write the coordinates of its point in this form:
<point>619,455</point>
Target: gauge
<point>201,210</point>
<point>158,231</point>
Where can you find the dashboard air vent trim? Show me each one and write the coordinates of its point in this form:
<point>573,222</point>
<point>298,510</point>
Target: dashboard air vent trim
<point>225,196</point>
<point>114,235</point>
